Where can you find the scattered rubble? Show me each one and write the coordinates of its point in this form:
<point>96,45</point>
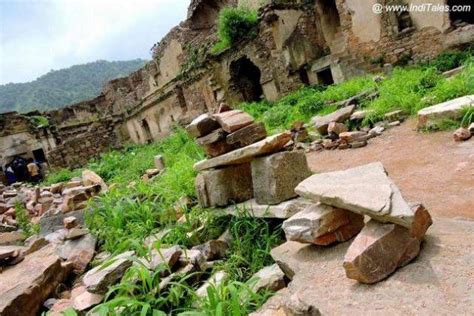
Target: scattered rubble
<point>462,134</point>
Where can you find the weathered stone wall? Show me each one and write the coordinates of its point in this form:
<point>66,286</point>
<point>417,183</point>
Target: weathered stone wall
<point>77,150</point>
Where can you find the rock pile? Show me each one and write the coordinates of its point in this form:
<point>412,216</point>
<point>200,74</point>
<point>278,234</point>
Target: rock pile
<point>335,133</point>
<point>42,262</point>
<point>244,163</point>
<point>391,238</point>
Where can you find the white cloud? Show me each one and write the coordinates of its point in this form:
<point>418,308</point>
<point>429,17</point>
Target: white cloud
<point>61,33</point>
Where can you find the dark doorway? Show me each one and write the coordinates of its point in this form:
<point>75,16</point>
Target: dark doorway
<point>303,75</point>
<point>246,78</point>
<point>458,17</point>
<point>325,76</point>
<point>39,155</point>
<point>146,127</point>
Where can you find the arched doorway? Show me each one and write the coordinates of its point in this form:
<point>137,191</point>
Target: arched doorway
<point>146,127</point>
<point>245,77</point>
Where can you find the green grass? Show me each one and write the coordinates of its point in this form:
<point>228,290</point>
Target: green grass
<point>24,222</point>
<point>408,88</point>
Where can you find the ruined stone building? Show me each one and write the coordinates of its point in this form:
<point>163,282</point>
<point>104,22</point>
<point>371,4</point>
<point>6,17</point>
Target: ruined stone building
<point>299,42</point>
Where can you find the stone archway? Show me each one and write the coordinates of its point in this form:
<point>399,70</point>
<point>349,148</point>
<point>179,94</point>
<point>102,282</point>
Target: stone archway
<point>245,76</point>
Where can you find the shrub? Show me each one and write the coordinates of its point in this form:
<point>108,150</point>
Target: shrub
<point>235,24</point>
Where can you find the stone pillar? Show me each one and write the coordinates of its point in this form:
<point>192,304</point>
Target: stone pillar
<point>276,176</point>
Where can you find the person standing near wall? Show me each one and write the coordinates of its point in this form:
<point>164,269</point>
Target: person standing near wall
<point>10,174</point>
<point>33,171</point>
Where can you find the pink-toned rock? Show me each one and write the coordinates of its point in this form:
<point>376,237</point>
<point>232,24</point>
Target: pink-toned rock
<point>357,136</point>
<point>218,148</point>
<point>59,307</point>
<point>322,225</point>
<point>378,251</point>
<point>461,134</point>
<point>11,238</point>
<point>337,128</point>
<point>202,125</point>
<point>24,287</point>
<point>230,121</point>
<point>70,222</point>
<point>83,300</point>
<point>89,177</point>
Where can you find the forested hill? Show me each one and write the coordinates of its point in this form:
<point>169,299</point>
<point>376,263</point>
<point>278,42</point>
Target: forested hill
<point>62,87</point>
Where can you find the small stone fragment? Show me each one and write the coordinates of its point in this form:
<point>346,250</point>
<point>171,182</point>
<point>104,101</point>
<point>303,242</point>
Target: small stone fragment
<point>89,177</point>
<point>322,122</point>
<point>337,128</point>
<point>213,249</point>
<point>269,278</point>
<point>159,162</point>
<point>218,148</point>
<point>461,134</point>
<point>357,136</point>
<point>70,222</point>
<point>167,256</point>
<point>214,280</point>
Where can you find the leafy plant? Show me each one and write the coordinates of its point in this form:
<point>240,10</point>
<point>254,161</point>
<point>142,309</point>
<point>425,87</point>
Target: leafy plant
<point>23,221</point>
<point>233,25</point>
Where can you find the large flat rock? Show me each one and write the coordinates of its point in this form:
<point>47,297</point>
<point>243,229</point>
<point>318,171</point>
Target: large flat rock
<point>25,286</point>
<point>268,145</point>
<point>438,282</point>
<point>451,109</point>
<point>366,190</point>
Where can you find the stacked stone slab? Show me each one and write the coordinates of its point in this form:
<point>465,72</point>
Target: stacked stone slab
<point>244,162</point>
<point>390,240</point>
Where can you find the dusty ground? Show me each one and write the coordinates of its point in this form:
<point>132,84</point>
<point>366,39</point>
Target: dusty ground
<point>428,168</point>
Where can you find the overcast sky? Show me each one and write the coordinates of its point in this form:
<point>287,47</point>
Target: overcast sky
<point>39,35</point>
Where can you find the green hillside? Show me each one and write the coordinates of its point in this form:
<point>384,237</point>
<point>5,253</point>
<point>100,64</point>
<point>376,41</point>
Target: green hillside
<point>62,87</point>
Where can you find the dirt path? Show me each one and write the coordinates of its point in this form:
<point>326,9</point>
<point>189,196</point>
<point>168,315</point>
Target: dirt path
<point>428,168</point>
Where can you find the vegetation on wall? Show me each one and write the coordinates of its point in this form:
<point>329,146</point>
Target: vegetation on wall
<point>235,24</point>
<point>63,87</point>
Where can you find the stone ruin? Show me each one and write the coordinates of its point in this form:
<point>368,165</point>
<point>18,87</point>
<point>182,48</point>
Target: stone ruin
<point>298,43</point>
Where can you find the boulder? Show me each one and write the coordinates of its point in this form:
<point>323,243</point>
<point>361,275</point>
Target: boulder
<point>276,176</point>
<point>247,135</point>
<point>366,190</point>
<point>378,251</point>
<point>230,121</point>
<point>52,223</point>
<point>220,187</point>
<point>321,123</point>
<point>89,178</point>
<point>283,210</point>
<point>79,252</point>
<point>323,225</point>
<point>202,125</point>
<point>268,145</point>
<point>461,134</point>
<point>99,279</point>
<point>24,287</point>
<point>452,109</point>
<point>337,128</point>
<point>34,243</point>
<point>269,278</point>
